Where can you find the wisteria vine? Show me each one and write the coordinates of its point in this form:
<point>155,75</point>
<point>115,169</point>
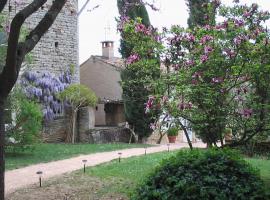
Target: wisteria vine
<point>43,87</point>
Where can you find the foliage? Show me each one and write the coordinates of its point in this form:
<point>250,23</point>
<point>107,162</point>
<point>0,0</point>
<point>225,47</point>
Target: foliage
<point>25,131</point>
<point>172,131</point>
<point>134,92</point>
<point>211,174</point>
<point>77,96</point>
<point>199,13</point>
<point>218,75</point>
<point>131,10</point>
<point>142,68</point>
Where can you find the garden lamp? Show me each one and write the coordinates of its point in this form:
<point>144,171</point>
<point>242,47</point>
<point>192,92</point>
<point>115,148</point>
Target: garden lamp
<point>168,145</point>
<point>84,163</point>
<point>119,156</point>
<point>39,173</point>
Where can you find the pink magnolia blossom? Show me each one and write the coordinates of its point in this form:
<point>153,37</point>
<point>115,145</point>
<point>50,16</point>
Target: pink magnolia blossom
<point>230,53</point>
<point>217,80</point>
<point>246,113</point>
<point>239,23</point>
<point>194,82</point>
<point>133,58</point>
<point>182,106</point>
<point>247,14</point>
<point>207,50</point>
<point>190,37</point>
<point>197,75</point>
<point>206,38</point>
<point>190,63</point>
<point>204,58</point>
<point>149,104</point>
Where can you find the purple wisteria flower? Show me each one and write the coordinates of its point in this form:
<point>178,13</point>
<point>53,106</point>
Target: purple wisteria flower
<point>133,58</point>
<point>43,87</point>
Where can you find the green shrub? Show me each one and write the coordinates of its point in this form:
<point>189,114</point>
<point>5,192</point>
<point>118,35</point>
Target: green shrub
<point>24,133</point>
<point>173,131</point>
<point>210,174</point>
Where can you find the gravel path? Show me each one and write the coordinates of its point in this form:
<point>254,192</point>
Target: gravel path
<point>19,178</point>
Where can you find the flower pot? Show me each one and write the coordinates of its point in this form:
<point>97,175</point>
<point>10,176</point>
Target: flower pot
<point>172,139</point>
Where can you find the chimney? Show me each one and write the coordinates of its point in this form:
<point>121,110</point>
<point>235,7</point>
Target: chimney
<point>107,49</point>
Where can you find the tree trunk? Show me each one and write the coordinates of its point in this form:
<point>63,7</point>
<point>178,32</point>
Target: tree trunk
<point>74,119</point>
<point>186,134</point>
<point>2,151</point>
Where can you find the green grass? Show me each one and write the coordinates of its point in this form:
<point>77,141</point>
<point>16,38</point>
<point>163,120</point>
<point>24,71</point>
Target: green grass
<point>264,166</point>
<point>52,152</point>
<point>112,180</point>
<point>130,172</point>
<point>125,175</point>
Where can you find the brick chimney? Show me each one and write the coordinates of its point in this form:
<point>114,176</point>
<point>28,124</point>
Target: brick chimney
<point>107,49</point>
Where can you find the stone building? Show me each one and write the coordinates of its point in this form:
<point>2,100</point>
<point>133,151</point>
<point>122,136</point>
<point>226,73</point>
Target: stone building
<point>56,52</point>
<point>102,75</point>
<point>58,48</point>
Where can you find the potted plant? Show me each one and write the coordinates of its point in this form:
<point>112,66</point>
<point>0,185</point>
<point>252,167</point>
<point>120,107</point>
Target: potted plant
<point>172,133</point>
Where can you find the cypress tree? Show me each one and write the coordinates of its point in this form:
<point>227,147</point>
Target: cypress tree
<point>133,9</point>
<point>198,13</point>
<point>134,93</point>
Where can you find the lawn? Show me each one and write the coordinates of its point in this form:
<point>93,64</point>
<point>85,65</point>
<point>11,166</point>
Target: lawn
<point>109,181</point>
<point>51,152</point>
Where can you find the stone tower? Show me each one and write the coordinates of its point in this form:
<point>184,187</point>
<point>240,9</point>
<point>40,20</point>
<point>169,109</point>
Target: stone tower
<point>58,48</point>
<point>56,52</point>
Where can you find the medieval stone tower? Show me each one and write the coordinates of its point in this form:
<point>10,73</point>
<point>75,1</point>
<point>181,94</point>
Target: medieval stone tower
<point>58,48</point>
<point>56,52</point>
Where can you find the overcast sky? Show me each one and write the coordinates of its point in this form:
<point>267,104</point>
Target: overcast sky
<point>92,23</point>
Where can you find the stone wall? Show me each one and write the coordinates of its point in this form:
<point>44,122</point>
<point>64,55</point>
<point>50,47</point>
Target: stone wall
<point>58,48</point>
<point>56,130</point>
<point>99,135</point>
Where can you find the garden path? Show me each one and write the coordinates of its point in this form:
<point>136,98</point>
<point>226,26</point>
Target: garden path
<point>19,178</point>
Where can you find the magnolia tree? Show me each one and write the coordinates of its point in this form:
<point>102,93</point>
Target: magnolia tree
<point>217,76</point>
<point>77,96</point>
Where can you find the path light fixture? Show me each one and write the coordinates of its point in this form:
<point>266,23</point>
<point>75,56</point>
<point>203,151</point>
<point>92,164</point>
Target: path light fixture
<point>168,145</point>
<point>84,163</point>
<point>39,173</point>
<point>145,148</point>
<point>119,154</point>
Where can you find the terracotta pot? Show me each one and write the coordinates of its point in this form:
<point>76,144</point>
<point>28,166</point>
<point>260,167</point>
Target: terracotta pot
<point>172,139</point>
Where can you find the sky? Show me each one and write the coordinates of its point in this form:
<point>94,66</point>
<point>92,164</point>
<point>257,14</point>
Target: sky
<point>96,25</point>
